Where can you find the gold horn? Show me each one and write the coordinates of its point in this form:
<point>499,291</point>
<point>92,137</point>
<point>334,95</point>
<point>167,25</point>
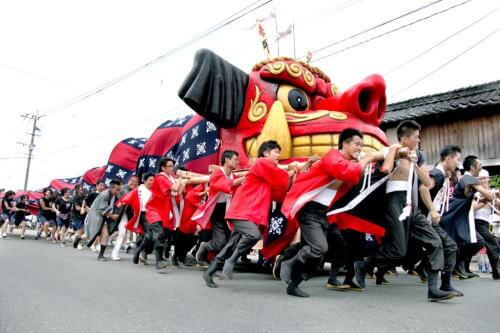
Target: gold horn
<point>275,128</point>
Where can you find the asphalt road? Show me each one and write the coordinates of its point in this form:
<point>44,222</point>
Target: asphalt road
<point>46,288</point>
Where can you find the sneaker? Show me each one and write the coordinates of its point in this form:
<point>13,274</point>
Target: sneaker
<point>102,258</point>
<point>115,258</point>
<point>94,248</point>
<point>80,247</point>
<point>63,244</point>
<point>4,235</point>
<point>22,237</point>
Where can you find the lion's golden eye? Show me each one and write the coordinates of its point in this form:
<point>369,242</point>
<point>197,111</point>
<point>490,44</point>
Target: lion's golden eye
<point>292,98</point>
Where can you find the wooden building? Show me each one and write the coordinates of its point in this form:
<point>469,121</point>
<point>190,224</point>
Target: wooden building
<point>468,117</point>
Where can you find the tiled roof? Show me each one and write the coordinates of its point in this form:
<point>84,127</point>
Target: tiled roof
<point>455,101</point>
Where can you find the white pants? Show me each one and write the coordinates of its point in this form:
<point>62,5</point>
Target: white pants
<point>121,235</point>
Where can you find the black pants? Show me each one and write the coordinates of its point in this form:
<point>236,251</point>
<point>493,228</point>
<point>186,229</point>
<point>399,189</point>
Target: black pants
<point>395,244</point>
<point>157,235</point>
<point>449,248</point>
<point>467,251</point>
<point>220,230</point>
<point>344,248</point>
<point>145,242</point>
<point>313,229</point>
<point>492,246</point>
<point>245,235</point>
<point>183,243</point>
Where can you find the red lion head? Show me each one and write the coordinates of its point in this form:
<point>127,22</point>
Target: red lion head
<point>285,100</point>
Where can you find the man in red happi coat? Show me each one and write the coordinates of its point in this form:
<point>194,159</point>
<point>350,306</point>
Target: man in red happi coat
<point>159,207</point>
<point>137,200</point>
<point>310,197</point>
<point>250,207</point>
<point>222,186</point>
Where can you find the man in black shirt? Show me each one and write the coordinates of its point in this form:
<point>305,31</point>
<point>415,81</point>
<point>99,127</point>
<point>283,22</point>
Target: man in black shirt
<point>434,202</point>
<point>404,221</point>
<point>78,213</point>
<point>63,206</point>
<point>7,211</point>
<point>46,215</point>
<point>20,212</point>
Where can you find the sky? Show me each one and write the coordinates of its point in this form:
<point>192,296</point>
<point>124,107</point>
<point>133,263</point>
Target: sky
<point>52,51</point>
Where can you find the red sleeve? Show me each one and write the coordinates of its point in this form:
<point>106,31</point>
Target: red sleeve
<point>270,173</point>
<point>192,196</point>
<point>219,182</point>
<point>338,167</point>
<point>164,184</point>
<point>127,198</point>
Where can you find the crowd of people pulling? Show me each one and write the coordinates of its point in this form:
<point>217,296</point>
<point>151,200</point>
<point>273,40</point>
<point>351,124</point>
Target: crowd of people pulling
<point>214,221</point>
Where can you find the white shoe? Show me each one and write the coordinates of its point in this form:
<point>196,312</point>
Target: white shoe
<point>114,258</point>
<point>80,246</point>
<point>94,248</point>
<point>4,235</point>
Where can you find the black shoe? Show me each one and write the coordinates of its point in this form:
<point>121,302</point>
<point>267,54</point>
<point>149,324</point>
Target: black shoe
<point>421,273</point>
<point>208,275</point>
<point>286,269</point>
<point>201,253</point>
<point>173,260</point>
<point>161,264</point>
<point>277,266</point>
<point>102,258</point>
<point>76,241</point>
<point>380,279</point>
<point>228,268</point>
<point>128,248</point>
<point>143,257</point>
<point>459,275</point>
<point>38,236</point>
<point>446,284</point>
<point>353,286</point>
<point>434,294</point>
<point>189,260</point>
<point>135,257</point>
<point>360,268</point>
<point>460,271</point>
<point>451,289</point>
<point>294,290</point>
<point>336,285</point>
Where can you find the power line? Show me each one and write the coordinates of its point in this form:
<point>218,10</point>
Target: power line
<point>327,12</point>
<point>34,76</point>
<point>11,157</point>
<point>375,27</point>
<point>391,31</point>
<point>113,134</point>
<point>447,62</point>
<point>52,109</point>
<point>438,44</point>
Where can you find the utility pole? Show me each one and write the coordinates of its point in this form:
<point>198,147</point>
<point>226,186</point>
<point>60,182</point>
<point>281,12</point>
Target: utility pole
<point>34,117</point>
